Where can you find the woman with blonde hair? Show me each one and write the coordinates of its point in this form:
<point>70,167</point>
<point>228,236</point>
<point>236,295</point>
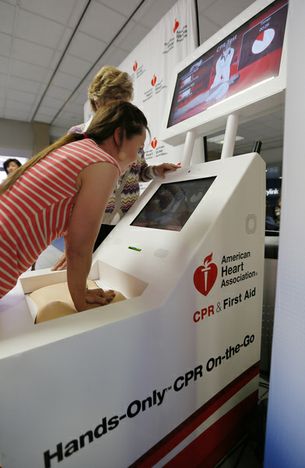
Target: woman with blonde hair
<point>109,84</point>
<point>52,196</point>
<point>107,87</point>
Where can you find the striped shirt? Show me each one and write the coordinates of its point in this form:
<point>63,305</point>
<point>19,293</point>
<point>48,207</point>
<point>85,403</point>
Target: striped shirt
<point>36,209</point>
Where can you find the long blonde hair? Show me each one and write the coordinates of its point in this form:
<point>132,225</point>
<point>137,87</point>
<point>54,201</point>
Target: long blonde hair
<point>119,114</point>
<point>109,84</point>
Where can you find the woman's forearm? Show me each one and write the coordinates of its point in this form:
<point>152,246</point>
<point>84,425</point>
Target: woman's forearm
<point>78,267</point>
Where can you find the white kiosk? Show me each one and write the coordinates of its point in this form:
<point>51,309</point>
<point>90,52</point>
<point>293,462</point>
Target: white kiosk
<point>166,376</point>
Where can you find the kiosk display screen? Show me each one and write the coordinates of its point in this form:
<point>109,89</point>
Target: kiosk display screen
<point>172,204</point>
<point>249,55</point>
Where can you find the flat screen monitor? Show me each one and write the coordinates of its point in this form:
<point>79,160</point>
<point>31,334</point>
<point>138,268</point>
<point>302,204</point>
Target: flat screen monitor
<point>172,204</point>
<point>249,55</point>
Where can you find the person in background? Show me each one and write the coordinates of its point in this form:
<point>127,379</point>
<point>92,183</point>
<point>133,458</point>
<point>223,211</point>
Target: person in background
<point>273,216</point>
<point>107,87</point>
<point>51,196</point>
<point>11,165</point>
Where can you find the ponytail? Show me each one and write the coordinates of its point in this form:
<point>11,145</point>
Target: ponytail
<point>10,180</point>
<point>117,114</point>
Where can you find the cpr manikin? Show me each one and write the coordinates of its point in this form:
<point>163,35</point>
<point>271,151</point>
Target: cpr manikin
<point>54,301</point>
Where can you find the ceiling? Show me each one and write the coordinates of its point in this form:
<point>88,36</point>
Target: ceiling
<point>51,49</point>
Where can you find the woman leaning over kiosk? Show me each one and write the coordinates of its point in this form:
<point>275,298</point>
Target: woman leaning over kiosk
<point>64,190</point>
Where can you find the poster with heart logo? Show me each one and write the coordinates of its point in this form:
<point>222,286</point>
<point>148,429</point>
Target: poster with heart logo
<point>155,149</point>
<point>137,70</point>
<point>180,33</point>
<point>151,65</point>
<point>205,275</point>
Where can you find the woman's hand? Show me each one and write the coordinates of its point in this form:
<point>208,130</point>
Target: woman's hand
<point>96,298</point>
<point>161,169</point>
<point>61,263</point>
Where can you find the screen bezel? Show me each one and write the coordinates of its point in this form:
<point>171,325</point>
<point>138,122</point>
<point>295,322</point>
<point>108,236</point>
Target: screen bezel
<point>208,55</point>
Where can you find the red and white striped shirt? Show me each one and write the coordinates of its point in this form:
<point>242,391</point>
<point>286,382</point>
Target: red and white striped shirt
<point>36,209</point>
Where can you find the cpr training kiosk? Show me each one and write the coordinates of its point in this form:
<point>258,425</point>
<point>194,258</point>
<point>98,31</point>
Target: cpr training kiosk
<point>165,377</point>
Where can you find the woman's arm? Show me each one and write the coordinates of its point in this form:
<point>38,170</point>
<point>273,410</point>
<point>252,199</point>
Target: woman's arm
<point>97,183</point>
<point>163,168</point>
<point>150,172</point>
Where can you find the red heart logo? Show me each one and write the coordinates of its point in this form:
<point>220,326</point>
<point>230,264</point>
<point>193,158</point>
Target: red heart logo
<point>154,80</point>
<point>135,66</point>
<point>205,276</point>
<point>154,142</point>
<point>176,25</point>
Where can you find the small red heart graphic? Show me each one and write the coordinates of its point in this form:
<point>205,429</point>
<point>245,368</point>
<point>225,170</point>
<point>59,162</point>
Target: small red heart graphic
<point>205,276</point>
<point>260,37</point>
<point>154,142</point>
<point>154,80</point>
<point>176,25</point>
<point>135,66</point>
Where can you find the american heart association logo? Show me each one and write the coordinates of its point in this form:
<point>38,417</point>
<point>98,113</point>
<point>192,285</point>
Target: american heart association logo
<point>153,80</point>
<point>176,25</point>
<point>154,143</point>
<point>205,275</point>
<point>135,66</point>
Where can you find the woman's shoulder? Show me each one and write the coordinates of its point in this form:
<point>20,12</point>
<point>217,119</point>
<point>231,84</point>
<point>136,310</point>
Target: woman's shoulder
<point>89,151</point>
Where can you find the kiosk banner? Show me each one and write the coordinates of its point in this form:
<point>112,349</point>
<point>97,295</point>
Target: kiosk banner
<point>151,65</point>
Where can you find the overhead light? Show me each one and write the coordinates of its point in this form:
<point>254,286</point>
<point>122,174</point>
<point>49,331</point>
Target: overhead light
<point>219,139</point>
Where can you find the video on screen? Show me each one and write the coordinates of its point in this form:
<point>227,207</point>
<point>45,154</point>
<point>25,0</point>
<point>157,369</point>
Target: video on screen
<point>249,55</point>
<point>172,204</point>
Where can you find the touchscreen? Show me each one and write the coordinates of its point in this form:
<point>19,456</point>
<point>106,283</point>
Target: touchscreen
<point>172,204</point>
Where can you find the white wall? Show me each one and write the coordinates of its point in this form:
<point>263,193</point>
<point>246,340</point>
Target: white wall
<point>16,138</point>
<point>285,445</point>
<point>22,139</point>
